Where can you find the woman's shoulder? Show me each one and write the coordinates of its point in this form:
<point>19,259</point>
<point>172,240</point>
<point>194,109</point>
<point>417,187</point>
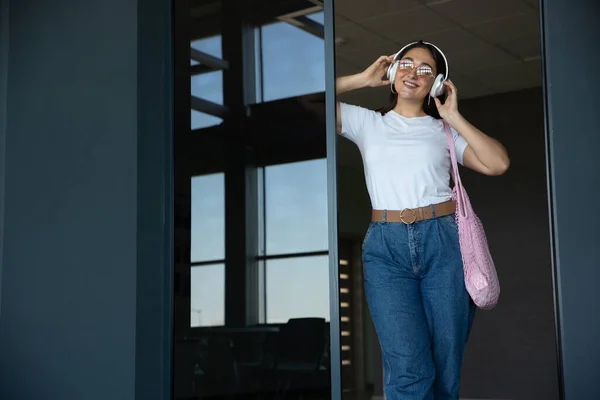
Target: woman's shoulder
<point>358,122</point>
<point>358,111</point>
<point>357,108</point>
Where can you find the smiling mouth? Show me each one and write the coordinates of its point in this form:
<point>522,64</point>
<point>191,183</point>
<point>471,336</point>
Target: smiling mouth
<point>410,85</point>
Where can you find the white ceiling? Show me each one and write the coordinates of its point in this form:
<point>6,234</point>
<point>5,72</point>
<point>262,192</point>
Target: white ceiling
<point>493,46</point>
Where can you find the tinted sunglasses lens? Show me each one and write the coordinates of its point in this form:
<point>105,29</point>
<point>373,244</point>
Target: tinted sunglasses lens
<point>404,64</point>
<point>424,70</point>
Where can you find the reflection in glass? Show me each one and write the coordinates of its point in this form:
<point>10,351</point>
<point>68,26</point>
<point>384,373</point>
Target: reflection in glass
<point>207,85</point>
<point>296,207</point>
<point>208,218</point>
<point>297,288</point>
<point>317,17</point>
<point>275,342</point>
<point>203,120</point>
<point>210,45</point>
<point>207,295</point>
<point>293,62</point>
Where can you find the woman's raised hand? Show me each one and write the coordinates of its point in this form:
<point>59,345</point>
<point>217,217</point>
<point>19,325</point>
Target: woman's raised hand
<point>375,74</point>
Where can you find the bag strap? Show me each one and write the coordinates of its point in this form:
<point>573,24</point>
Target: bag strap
<point>460,205</point>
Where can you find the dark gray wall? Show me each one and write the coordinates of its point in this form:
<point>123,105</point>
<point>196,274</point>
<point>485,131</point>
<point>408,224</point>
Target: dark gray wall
<point>571,35</point>
<point>85,232</point>
<point>512,350</point>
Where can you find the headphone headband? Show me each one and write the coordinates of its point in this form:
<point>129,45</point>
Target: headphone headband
<point>430,44</point>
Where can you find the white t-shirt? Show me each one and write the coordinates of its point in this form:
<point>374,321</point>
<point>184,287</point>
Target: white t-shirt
<point>406,160</point>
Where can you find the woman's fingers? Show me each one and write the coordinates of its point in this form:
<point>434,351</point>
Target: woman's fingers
<point>385,59</point>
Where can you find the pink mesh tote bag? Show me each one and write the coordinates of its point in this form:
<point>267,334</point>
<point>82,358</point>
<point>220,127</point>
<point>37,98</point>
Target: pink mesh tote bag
<point>481,278</point>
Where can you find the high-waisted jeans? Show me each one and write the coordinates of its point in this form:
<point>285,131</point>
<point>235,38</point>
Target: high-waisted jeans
<point>419,304</point>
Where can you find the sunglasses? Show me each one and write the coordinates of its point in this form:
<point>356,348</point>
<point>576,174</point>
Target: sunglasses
<point>422,70</point>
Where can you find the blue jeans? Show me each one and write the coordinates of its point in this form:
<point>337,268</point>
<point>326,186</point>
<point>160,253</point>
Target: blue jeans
<point>421,310</point>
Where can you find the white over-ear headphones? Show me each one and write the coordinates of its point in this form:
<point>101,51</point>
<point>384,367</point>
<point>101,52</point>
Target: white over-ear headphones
<point>437,89</point>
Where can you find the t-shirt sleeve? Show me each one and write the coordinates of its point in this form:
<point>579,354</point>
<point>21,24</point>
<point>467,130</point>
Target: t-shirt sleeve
<point>353,121</point>
<point>460,144</point>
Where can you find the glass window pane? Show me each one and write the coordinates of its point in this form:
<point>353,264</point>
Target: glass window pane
<point>296,207</point>
<point>208,86</point>
<point>207,299</point>
<point>208,218</point>
<point>297,288</point>
<point>210,45</point>
<point>317,17</point>
<point>202,120</point>
<point>293,62</point>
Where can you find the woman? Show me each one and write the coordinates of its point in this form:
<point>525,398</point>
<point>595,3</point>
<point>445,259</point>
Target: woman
<point>412,262</point>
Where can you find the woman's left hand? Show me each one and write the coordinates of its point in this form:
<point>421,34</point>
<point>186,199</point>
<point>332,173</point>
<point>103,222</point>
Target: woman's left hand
<point>449,109</point>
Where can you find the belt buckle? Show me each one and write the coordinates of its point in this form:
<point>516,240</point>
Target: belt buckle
<point>402,216</point>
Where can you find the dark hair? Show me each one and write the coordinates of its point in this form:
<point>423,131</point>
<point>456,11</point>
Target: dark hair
<point>428,104</point>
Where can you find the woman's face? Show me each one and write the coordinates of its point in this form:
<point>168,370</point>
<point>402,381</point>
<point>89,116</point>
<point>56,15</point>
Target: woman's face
<point>415,74</point>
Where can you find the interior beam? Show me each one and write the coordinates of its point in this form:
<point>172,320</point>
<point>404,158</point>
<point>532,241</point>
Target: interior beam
<point>208,107</point>
<point>211,62</point>
<point>307,25</point>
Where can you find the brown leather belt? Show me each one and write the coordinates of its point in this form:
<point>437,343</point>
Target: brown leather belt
<point>412,215</point>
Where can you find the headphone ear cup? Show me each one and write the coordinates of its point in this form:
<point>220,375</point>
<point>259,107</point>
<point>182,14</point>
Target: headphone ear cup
<point>391,73</point>
<point>437,89</point>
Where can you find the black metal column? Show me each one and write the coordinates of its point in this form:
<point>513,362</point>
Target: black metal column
<point>182,143</point>
<point>241,205</point>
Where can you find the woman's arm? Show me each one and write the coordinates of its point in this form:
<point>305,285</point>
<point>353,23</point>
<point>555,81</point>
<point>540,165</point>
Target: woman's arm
<point>346,84</point>
<point>374,76</point>
<point>351,82</point>
<point>483,154</point>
